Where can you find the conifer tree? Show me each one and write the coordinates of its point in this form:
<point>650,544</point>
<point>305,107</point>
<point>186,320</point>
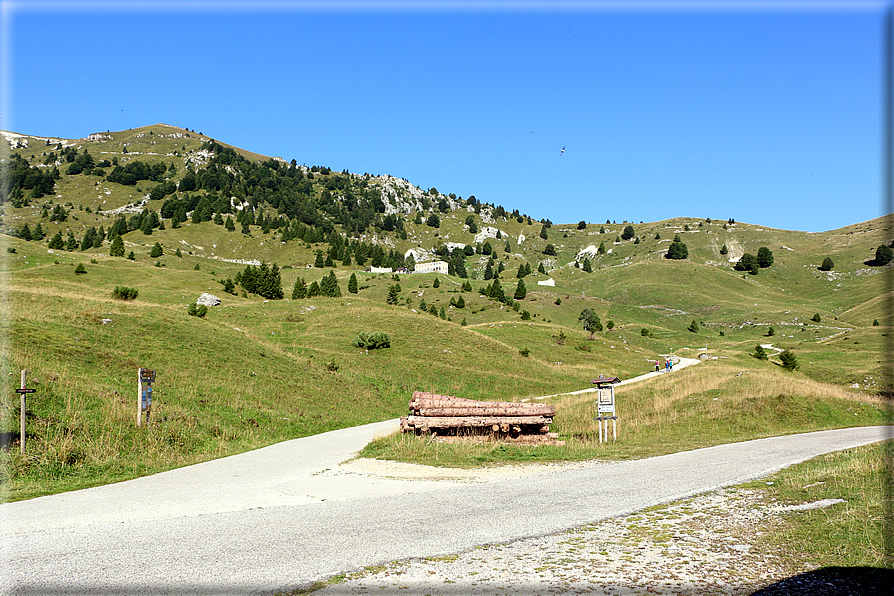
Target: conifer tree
<point>313,289</point>
<point>72,243</point>
<point>587,266</point>
<point>229,225</point>
<point>156,251</point>
<point>117,248</point>
<point>56,242</point>
<point>299,291</point>
<point>352,284</point>
<point>520,290</point>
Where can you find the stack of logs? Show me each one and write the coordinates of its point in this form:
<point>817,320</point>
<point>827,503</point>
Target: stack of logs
<point>444,414</point>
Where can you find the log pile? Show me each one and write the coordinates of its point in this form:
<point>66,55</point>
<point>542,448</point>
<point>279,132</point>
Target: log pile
<point>445,414</point>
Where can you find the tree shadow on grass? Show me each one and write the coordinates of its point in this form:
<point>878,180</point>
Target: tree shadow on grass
<point>834,581</point>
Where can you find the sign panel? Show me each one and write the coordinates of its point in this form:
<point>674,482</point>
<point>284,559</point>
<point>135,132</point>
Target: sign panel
<point>605,403</point>
<point>25,390</point>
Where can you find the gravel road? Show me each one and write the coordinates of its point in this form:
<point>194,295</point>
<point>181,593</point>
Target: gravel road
<point>287,515</point>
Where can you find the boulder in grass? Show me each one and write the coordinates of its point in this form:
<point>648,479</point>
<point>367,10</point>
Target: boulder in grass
<point>208,300</point>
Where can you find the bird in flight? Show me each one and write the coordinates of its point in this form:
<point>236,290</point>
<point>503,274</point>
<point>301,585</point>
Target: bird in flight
<point>562,152</point>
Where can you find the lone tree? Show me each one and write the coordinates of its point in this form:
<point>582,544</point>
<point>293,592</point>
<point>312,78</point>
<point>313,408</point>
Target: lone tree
<point>352,284</point>
<point>883,255</point>
<point>760,353</point>
<point>693,326</point>
<point>156,251</point>
<point>628,233</point>
<point>827,265</point>
<point>591,320</point>
<point>764,257</point>
<point>789,360</point>
<point>117,248</point>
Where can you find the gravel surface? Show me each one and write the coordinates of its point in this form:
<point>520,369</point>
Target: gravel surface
<point>702,545</point>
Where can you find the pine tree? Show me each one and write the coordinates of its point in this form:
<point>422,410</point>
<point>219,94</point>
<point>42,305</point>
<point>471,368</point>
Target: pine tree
<point>156,251</point>
<point>117,248</point>
<point>827,265</point>
<point>764,257</point>
<point>520,290</point>
<point>56,242</point>
<point>37,234</point>
<point>72,243</point>
<point>392,295</point>
<point>299,291</point>
<point>352,284</point>
<point>313,289</point>
<point>541,269</point>
<point>229,225</point>
<point>789,361</point>
<point>587,266</point>
<point>319,263</point>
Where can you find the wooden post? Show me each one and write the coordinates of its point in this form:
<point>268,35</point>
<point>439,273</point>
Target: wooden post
<point>24,404</point>
<point>139,399</point>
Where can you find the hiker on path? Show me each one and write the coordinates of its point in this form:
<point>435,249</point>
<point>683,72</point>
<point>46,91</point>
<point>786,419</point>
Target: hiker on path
<point>656,366</point>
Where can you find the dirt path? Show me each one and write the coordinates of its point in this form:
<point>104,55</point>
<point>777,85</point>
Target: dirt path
<point>680,363</point>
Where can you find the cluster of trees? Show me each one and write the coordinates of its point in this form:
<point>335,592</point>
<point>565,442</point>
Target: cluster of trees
<point>328,286</point>
<point>26,233</point>
<point>137,170</point>
<point>677,250</point>
<point>265,281</point>
<point>20,182</point>
<point>752,264</point>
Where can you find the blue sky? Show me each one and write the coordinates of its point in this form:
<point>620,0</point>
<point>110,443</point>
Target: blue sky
<point>768,115</point>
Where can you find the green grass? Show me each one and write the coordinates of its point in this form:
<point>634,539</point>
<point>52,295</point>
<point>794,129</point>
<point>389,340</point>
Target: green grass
<point>849,534</point>
<point>708,404</point>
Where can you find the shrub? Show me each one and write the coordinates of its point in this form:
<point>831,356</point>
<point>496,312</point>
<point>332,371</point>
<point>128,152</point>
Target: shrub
<point>10,250</point>
<point>80,270</point>
<point>693,326</point>
<point>816,318</point>
<point>827,265</point>
<point>372,341</point>
<point>883,255</point>
<point>525,352</point>
<point>760,353</point>
<point>124,293</point>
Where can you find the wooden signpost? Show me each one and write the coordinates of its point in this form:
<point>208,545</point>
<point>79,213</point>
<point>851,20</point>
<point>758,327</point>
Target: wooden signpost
<point>145,377</point>
<point>24,406</point>
<point>605,406</point>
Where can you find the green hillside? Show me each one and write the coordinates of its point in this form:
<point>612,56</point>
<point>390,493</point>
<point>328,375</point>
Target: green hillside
<point>255,370</point>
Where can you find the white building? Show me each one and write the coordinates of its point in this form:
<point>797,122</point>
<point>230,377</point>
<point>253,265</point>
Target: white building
<point>431,267</point>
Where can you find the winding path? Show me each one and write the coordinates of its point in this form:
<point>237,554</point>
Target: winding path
<point>275,518</point>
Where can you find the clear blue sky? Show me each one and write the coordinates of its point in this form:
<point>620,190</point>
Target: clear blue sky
<point>709,109</point>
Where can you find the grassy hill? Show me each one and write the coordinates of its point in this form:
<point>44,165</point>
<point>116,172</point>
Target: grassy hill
<point>256,371</point>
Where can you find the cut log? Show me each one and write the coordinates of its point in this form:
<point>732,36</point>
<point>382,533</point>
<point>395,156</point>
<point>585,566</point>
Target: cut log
<point>488,410</point>
<point>418,422</point>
